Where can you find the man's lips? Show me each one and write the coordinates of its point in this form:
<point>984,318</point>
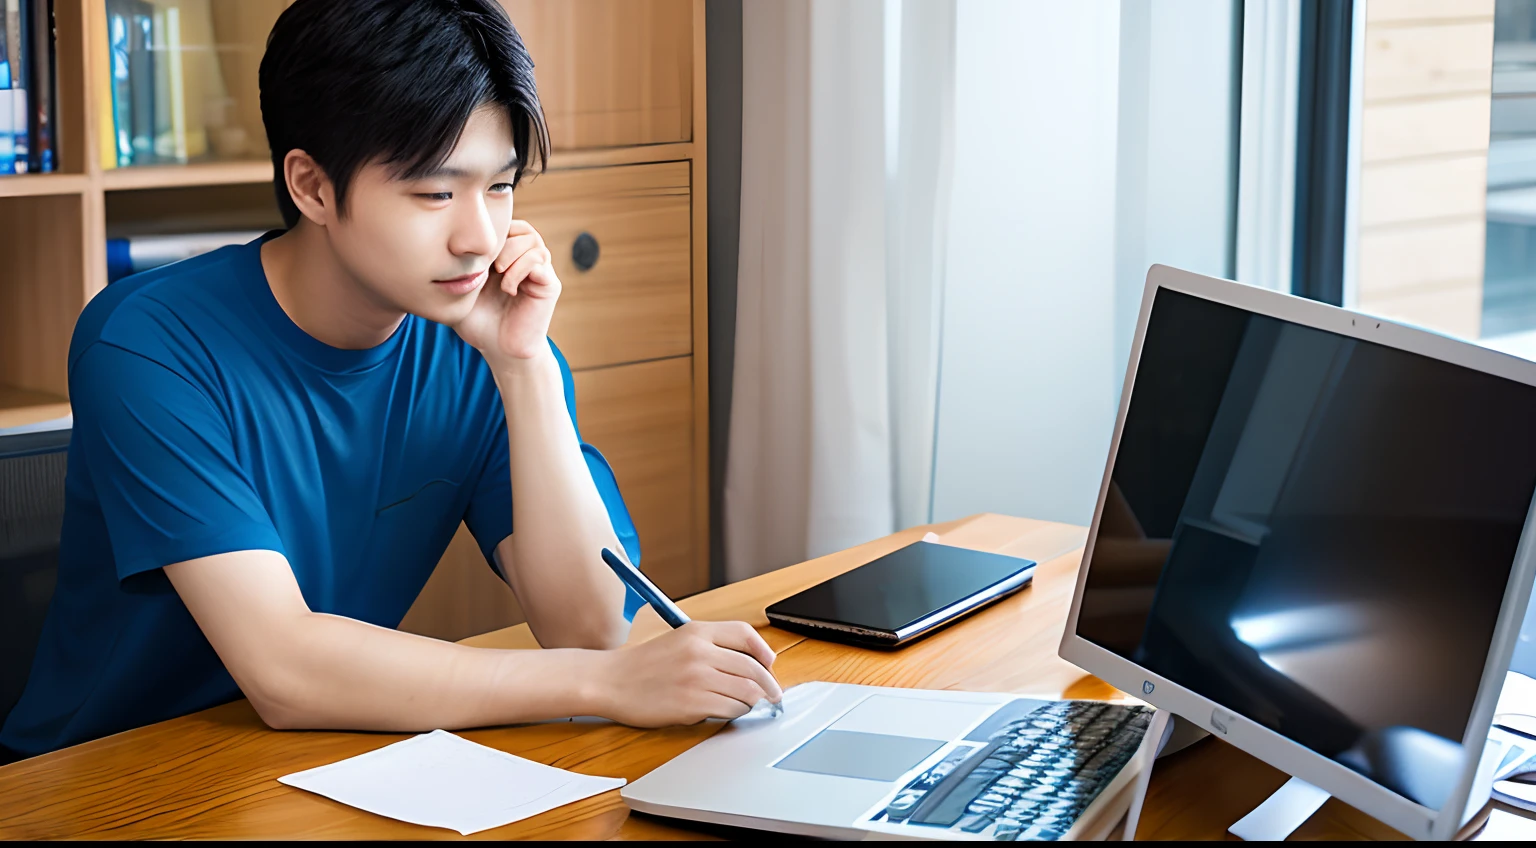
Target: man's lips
<point>462,284</point>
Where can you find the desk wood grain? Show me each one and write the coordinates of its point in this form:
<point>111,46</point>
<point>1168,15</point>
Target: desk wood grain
<point>213,774</point>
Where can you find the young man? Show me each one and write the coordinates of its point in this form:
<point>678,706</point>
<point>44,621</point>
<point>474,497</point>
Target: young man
<point>274,443</point>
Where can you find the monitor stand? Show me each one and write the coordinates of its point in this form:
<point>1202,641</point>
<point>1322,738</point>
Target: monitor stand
<point>1173,734</point>
<point>1290,806</point>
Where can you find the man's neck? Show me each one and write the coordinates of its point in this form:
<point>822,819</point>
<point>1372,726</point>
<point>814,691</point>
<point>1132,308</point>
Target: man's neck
<point>320,295</point>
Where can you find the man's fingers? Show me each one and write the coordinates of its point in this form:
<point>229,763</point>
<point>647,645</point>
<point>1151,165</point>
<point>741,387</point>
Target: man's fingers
<point>521,268</point>
<point>541,280</point>
<point>514,247</point>
<point>736,687</point>
<point>746,668</point>
<point>739,636</point>
<point>726,707</point>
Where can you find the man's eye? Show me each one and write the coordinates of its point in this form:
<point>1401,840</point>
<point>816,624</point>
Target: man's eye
<point>437,195</point>
<point>501,188</point>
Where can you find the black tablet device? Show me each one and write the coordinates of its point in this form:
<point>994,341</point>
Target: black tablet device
<point>902,595</point>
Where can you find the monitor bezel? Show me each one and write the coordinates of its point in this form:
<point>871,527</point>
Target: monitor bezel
<point>1413,819</point>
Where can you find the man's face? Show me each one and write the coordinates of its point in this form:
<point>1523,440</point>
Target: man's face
<point>423,246</point>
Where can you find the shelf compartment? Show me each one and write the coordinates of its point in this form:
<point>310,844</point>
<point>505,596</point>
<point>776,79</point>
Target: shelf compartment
<point>41,289</point>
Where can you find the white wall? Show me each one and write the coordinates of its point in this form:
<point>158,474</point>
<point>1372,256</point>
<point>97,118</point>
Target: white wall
<point>1178,206</point>
<point>1027,360</point>
<point>1091,140</point>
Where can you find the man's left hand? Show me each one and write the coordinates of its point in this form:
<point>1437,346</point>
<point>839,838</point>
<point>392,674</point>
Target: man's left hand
<point>510,319</point>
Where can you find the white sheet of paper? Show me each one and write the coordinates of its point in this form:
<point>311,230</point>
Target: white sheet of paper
<point>1504,826</point>
<point>441,780</point>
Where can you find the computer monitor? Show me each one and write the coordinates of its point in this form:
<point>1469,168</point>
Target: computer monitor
<point>1311,540</point>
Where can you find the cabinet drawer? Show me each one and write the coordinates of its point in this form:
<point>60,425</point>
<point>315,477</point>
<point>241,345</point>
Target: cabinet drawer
<point>611,72</point>
<point>635,302</point>
<point>641,418</point>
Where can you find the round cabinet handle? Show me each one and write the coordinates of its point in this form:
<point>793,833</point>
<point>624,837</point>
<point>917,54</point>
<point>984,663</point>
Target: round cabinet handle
<point>584,252</point>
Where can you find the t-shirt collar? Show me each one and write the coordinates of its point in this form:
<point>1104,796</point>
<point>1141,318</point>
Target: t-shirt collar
<point>317,353</point>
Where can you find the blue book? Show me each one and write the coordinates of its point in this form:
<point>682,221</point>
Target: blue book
<point>117,50</point>
<point>141,80</point>
<point>127,256</point>
<point>18,32</point>
<point>7,96</point>
<point>42,83</point>
<point>130,39</point>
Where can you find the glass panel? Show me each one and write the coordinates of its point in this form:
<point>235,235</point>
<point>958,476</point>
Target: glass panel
<point>178,83</point>
<point>1509,286</point>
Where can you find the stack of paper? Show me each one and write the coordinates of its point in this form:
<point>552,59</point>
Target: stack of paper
<point>440,780</point>
<point>1514,723</point>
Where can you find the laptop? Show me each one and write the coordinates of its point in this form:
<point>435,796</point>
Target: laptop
<point>851,762</point>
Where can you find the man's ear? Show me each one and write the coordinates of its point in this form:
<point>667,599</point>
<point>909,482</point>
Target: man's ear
<point>309,187</point>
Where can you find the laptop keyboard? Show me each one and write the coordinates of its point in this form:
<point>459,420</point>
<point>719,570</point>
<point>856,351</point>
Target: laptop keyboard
<point>1036,775</point>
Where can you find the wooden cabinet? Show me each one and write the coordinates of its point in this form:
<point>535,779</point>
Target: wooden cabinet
<point>641,417</point>
<point>613,72</point>
<point>622,85</point>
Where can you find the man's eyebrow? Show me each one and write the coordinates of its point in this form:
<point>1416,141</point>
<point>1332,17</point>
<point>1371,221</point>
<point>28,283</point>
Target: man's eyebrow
<point>459,173</point>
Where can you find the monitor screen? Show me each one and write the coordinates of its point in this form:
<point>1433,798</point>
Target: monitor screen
<point>1314,532</point>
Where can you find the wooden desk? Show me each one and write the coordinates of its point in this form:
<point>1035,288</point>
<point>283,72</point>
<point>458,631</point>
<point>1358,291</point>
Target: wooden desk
<point>213,775</point>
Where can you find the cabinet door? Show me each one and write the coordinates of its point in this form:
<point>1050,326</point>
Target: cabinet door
<point>634,302</point>
<point>611,72</point>
<point>464,597</point>
<point>641,418</point>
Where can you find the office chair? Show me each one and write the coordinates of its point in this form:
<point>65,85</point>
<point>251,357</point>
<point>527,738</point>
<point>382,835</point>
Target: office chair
<point>31,513</point>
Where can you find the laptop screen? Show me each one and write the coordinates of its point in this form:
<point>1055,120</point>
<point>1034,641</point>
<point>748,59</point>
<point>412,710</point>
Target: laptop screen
<point>1314,532</point>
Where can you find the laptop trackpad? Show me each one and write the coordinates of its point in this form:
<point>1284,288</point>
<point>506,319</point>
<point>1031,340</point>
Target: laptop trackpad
<point>866,756</point>
<point>884,737</point>
<point>894,715</point>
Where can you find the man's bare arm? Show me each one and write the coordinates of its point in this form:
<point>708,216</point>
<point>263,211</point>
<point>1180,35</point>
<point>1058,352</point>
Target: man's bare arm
<point>305,669</point>
<point>560,523</point>
<point>302,669</point>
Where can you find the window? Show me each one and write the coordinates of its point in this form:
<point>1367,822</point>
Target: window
<point>1509,282</point>
<point>1444,226</point>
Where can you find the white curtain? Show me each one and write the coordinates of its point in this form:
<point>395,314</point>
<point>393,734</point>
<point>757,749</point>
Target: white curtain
<point>840,275</point>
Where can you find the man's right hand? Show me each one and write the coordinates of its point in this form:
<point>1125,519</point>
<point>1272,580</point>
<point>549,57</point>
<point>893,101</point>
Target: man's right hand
<point>704,669</point>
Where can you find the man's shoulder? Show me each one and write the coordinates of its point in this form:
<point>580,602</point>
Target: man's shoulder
<point>163,309</point>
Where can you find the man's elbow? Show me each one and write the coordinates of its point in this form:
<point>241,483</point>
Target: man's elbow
<point>279,703</point>
<point>606,635</point>
<point>613,635</point>
<point>596,633</point>
<point>279,718</point>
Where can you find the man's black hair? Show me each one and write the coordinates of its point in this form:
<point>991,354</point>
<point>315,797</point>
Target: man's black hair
<point>355,81</point>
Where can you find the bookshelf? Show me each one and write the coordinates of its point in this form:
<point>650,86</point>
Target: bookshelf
<point>53,226</point>
<point>623,87</point>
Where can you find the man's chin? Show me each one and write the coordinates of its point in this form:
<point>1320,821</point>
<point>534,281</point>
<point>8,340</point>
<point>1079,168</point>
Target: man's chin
<point>445,311</point>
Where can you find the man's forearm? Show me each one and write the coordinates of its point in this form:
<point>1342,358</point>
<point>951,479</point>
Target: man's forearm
<point>338,673</point>
<point>560,522</point>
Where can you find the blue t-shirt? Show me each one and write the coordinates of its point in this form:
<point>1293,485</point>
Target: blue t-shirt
<point>207,422</point>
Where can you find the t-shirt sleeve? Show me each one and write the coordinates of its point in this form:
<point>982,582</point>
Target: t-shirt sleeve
<point>490,514</point>
<point>162,462</point>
